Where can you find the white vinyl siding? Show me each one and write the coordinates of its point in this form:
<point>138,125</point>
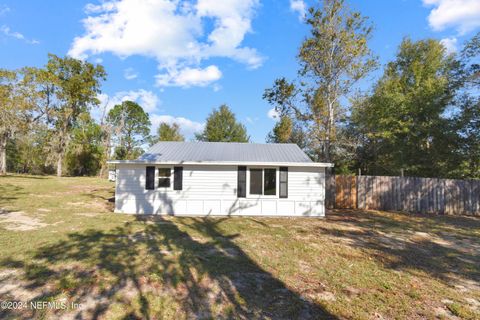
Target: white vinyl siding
<point>212,190</point>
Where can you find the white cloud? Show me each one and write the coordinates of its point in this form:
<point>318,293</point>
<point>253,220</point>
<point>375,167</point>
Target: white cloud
<point>450,44</point>
<point>463,15</point>
<point>216,87</point>
<point>148,100</point>
<point>299,7</point>
<point>17,35</point>
<point>173,32</point>
<point>187,126</point>
<point>251,120</point>
<point>273,114</point>
<point>189,77</point>
<point>4,9</point>
<point>130,74</point>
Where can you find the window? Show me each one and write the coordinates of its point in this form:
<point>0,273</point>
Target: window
<point>150,178</point>
<point>270,185</point>
<point>164,177</point>
<point>263,181</point>
<point>283,182</point>
<point>256,181</point>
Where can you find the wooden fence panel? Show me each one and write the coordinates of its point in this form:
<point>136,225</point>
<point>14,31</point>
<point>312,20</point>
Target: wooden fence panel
<point>407,194</point>
<point>330,191</point>
<point>346,192</point>
<point>361,192</point>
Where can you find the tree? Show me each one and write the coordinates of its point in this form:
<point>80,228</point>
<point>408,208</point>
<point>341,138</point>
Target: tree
<point>282,131</point>
<point>467,119</point>
<point>75,85</point>
<point>132,129</point>
<point>222,126</point>
<point>167,132</point>
<point>84,154</point>
<point>332,60</point>
<point>9,113</point>
<point>467,124</point>
<point>288,130</point>
<point>27,152</point>
<point>106,130</point>
<point>402,122</point>
<point>471,65</point>
<point>17,104</point>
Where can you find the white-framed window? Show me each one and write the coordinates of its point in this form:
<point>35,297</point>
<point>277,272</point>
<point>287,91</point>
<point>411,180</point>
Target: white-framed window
<point>164,177</point>
<point>262,181</point>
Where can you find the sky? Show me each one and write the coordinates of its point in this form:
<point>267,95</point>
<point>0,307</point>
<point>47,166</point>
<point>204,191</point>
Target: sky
<point>180,59</point>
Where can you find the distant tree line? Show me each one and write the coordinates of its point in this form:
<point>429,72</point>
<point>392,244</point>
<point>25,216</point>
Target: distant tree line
<point>47,127</point>
<point>421,117</point>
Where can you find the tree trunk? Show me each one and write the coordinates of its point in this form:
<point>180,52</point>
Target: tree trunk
<point>62,147</point>
<point>103,169</point>
<point>3,154</point>
<point>59,165</point>
<point>327,156</point>
<point>106,153</point>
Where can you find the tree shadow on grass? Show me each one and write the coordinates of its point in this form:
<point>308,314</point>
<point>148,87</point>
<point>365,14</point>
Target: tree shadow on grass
<point>153,269</point>
<point>9,193</point>
<point>22,176</point>
<point>107,195</point>
<point>447,248</point>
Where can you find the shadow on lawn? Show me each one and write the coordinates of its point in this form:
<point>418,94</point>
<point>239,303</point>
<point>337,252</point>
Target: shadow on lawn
<point>9,193</point>
<point>153,258</point>
<point>445,247</point>
<point>24,176</point>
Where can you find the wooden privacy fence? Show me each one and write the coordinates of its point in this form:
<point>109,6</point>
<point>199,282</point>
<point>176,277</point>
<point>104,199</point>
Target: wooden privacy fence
<point>408,194</point>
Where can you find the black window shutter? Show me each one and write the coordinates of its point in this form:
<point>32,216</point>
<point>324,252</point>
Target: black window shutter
<point>177,178</point>
<point>242,182</point>
<point>283,182</point>
<point>150,178</point>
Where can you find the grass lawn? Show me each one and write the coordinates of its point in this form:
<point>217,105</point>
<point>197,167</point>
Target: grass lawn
<point>60,243</point>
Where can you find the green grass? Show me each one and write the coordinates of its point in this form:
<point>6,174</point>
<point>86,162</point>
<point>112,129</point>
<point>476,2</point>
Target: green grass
<point>352,264</point>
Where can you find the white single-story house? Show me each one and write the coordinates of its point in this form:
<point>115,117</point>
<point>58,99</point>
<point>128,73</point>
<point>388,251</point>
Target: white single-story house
<point>221,178</point>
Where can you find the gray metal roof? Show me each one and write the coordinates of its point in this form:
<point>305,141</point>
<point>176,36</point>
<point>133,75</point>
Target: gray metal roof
<point>224,152</point>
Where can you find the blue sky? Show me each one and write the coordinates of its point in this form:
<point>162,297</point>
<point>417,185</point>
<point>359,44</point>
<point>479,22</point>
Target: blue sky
<point>180,59</point>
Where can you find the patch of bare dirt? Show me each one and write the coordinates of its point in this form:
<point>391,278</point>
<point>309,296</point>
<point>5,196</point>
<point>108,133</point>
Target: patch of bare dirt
<point>18,221</point>
<point>326,296</point>
<point>473,304</point>
<point>13,287</point>
<point>444,313</point>
<point>88,214</point>
<point>75,204</point>
<point>465,285</point>
<point>52,195</point>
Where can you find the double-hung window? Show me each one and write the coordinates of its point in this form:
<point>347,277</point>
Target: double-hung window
<point>164,177</point>
<point>263,181</point>
<point>283,183</point>
<point>256,181</point>
<point>269,182</point>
